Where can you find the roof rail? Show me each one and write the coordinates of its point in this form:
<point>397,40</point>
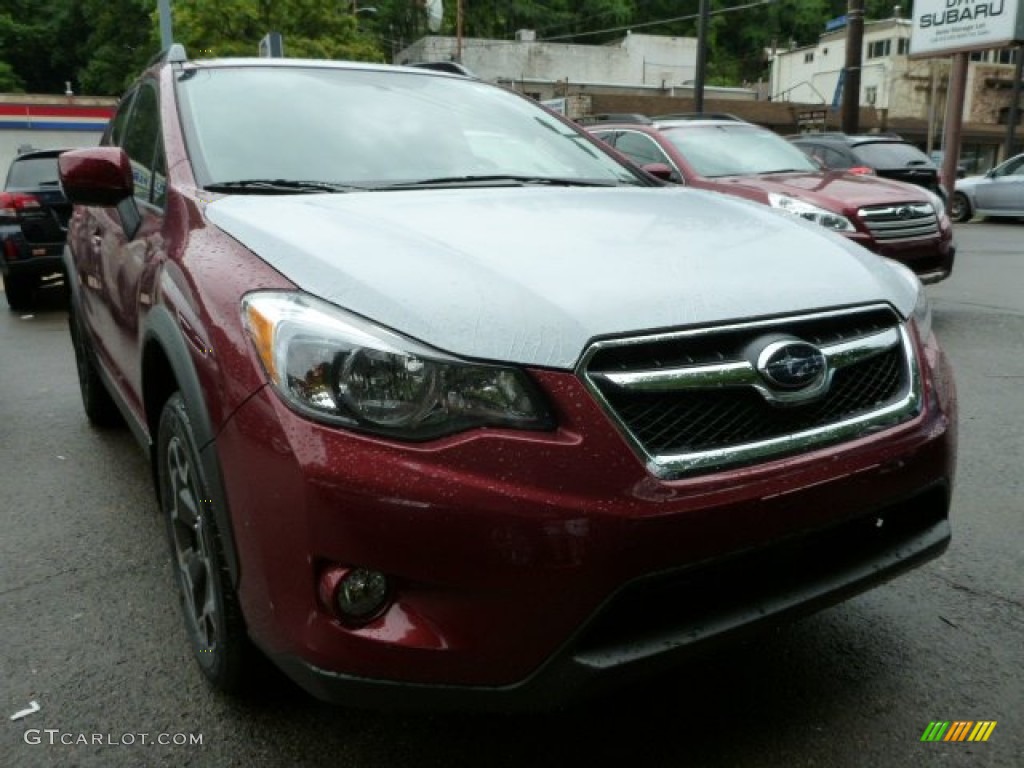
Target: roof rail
<point>451,67</point>
<point>175,54</point>
<point>614,117</point>
<point>701,116</point>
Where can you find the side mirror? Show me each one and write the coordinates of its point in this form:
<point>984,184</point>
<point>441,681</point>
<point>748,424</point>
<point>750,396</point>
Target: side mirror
<point>659,171</point>
<point>96,176</point>
<point>101,176</point>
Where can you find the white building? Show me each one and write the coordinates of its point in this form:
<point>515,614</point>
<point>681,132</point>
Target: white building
<point>637,63</point>
<point>908,95</point>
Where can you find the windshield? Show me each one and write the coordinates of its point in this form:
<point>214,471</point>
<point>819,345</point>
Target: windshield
<point>737,150</point>
<point>372,128</point>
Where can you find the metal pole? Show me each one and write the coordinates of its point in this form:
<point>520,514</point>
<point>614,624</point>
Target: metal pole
<point>1011,122</point>
<point>954,119</point>
<point>702,55</point>
<point>854,55</point>
<point>166,32</point>
<point>458,31</point>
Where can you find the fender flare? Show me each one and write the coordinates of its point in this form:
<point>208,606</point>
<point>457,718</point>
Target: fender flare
<point>162,328</point>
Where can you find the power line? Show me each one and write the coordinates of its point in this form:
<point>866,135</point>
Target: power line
<point>645,24</point>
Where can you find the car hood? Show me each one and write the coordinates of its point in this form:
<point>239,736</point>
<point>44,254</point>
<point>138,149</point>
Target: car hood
<point>531,275</point>
<point>833,190</point>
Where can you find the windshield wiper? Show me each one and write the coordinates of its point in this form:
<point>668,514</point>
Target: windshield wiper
<point>280,186</point>
<point>498,179</point>
<point>782,170</point>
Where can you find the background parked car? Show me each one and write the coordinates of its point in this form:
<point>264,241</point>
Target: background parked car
<point>880,154</point>
<point>729,155</point>
<point>1000,192</point>
<point>33,224</point>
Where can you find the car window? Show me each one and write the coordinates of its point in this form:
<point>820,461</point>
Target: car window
<point>143,145</point>
<point>891,154</point>
<point>737,150</point>
<point>640,148</point>
<point>836,159</point>
<point>325,125</point>
<point>115,128</point>
<point>1012,167</point>
<point>32,173</point>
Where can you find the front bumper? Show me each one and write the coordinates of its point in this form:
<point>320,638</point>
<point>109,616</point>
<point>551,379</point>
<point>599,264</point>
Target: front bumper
<point>930,259</point>
<point>534,568</point>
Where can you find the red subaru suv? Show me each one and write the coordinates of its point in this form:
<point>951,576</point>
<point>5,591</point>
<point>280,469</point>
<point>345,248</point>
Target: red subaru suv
<point>445,402</point>
<point>902,221</point>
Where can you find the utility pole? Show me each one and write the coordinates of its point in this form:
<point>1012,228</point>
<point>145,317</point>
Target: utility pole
<point>166,33</point>
<point>702,56</point>
<point>458,31</point>
<point>854,55</point>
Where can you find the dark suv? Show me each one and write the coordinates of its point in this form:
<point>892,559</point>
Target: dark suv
<point>726,154</point>
<point>873,154</point>
<point>446,402</point>
<point>33,225</point>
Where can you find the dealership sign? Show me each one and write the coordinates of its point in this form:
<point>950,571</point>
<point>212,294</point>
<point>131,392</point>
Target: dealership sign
<point>952,26</point>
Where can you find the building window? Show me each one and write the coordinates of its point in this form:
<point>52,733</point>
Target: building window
<point>903,46</point>
<point>878,49</point>
<point>1006,56</point>
<point>808,57</point>
<point>871,94</point>
<point>1004,116</point>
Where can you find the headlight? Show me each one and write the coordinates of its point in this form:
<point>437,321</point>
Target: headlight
<point>828,219</point>
<point>341,369</point>
<point>937,203</point>
<point>922,315</point>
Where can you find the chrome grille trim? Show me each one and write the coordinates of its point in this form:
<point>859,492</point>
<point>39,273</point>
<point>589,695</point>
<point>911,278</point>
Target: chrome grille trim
<point>900,222</point>
<point>742,373</point>
<point>728,374</point>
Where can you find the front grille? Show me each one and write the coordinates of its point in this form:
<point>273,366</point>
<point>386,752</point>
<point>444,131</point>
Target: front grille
<point>695,400</point>
<point>901,221</point>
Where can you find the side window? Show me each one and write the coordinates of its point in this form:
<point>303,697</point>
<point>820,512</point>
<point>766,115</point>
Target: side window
<point>640,149</point>
<point>115,128</point>
<point>1015,168</point>
<point>837,160</point>
<point>142,142</point>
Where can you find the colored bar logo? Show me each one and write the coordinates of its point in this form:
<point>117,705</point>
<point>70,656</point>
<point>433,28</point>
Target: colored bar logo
<point>958,730</point>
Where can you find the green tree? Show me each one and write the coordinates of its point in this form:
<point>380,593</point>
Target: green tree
<point>9,80</point>
<point>311,28</point>
<point>122,38</point>
<point>25,29</point>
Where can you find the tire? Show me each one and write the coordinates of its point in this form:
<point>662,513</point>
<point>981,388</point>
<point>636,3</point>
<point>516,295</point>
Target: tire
<point>99,405</point>
<point>20,291</point>
<point>960,209</point>
<point>212,615</point>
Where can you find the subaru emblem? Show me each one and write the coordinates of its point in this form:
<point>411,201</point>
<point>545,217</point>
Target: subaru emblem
<point>791,364</point>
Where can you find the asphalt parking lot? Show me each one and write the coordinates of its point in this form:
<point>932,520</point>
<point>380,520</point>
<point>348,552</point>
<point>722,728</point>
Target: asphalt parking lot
<point>91,631</point>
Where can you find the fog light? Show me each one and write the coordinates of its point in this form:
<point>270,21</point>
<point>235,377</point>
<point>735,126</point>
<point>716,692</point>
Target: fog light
<point>356,594</point>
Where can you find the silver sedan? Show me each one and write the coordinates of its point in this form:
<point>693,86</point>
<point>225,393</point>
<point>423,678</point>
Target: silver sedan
<point>1000,192</point>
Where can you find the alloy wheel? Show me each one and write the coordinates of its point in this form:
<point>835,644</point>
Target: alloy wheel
<point>193,548</point>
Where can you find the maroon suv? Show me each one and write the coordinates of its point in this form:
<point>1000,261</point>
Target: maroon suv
<point>444,400</point>
<point>902,221</point>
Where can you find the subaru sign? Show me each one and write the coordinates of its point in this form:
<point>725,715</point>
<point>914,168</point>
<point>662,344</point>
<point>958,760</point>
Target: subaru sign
<point>942,27</point>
